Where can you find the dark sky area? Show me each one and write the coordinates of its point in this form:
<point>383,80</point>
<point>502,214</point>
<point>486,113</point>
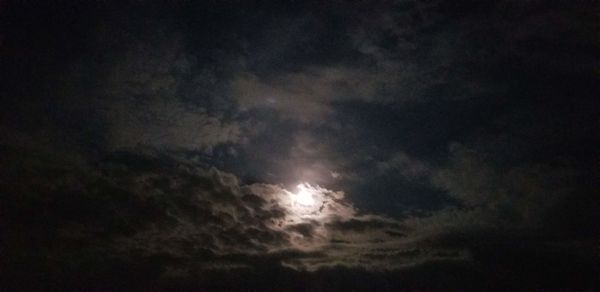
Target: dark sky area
<point>300,145</point>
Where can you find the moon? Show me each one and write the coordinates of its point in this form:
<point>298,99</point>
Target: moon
<point>304,196</point>
<point>314,203</point>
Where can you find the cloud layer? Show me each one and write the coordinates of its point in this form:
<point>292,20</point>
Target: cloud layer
<point>152,205</point>
<point>325,144</point>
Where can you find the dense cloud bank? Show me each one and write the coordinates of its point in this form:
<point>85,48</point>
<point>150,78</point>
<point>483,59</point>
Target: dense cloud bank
<point>165,220</point>
<point>177,223</point>
<point>190,218</point>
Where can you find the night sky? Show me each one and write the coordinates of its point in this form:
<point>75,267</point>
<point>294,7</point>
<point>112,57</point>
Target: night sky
<point>300,145</point>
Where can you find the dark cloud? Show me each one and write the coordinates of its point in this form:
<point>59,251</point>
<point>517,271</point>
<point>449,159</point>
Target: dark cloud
<point>304,229</point>
<point>364,224</point>
<point>406,166</point>
<point>150,205</point>
<point>518,195</point>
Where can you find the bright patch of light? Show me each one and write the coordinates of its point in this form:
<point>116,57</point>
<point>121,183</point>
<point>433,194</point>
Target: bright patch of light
<point>312,205</point>
<point>304,196</point>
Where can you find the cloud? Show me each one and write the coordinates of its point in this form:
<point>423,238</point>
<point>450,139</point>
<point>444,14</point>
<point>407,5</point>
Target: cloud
<point>98,182</point>
<point>360,68</point>
<point>146,205</point>
<point>405,165</point>
<point>396,53</point>
<point>307,96</point>
<point>519,195</point>
<point>488,197</point>
<point>167,124</point>
<point>184,220</point>
<point>365,224</point>
<point>144,106</point>
<point>152,216</point>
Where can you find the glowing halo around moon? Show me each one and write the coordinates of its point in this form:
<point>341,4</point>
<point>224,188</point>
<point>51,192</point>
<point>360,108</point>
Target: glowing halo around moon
<point>305,195</point>
<point>314,203</point>
<point>313,206</point>
<point>307,201</point>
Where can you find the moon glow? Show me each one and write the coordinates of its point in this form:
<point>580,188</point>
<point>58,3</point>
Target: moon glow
<point>304,196</point>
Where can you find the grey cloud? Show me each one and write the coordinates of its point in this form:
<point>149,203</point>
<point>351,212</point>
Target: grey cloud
<point>166,124</point>
<point>395,233</point>
<point>305,229</point>
<point>367,223</point>
<point>400,54</point>
<point>521,194</point>
<point>396,257</point>
<point>151,205</point>
<point>405,165</point>
<point>491,197</point>
<point>144,107</point>
<point>312,91</point>
<point>307,96</point>
<point>143,88</point>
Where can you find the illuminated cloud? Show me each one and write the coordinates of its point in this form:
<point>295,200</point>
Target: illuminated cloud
<point>159,206</point>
